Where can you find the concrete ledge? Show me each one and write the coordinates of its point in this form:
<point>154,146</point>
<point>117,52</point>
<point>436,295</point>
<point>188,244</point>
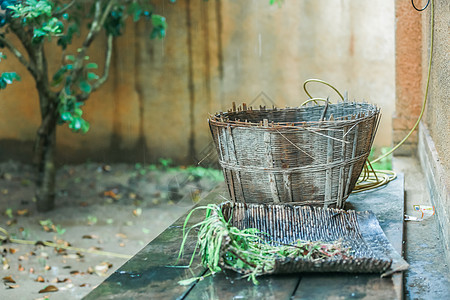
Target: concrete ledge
<point>438,184</point>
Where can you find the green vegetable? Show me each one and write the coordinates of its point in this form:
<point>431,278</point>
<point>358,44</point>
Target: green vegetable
<point>220,244</point>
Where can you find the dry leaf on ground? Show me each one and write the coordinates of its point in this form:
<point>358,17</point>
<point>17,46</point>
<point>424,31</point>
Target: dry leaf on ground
<point>8,279</point>
<point>49,289</point>
<point>121,235</point>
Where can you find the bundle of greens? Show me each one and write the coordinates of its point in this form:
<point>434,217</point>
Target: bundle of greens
<point>245,250</point>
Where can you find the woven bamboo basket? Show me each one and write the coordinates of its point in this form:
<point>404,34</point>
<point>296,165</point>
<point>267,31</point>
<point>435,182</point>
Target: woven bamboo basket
<point>312,155</point>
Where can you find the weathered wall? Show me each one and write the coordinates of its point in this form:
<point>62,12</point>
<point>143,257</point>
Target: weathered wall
<point>437,113</point>
<point>159,94</point>
<point>408,75</point>
<point>434,133</point>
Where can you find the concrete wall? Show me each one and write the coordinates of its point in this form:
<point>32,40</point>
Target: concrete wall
<point>434,145</point>
<point>408,75</point>
<point>157,99</point>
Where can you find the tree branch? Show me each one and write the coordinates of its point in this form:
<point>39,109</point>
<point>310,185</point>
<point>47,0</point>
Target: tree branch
<point>64,9</point>
<point>18,54</point>
<point>102,80</point>
<point>97,23</point>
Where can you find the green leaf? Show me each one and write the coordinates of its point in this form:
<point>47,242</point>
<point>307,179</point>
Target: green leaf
<point>85,86</point>
<point>159,21</point>
<point>66,116</point>
<point>91,66</point>
<point>38,35</point>
<point>76,124</point>
<point>92,76</point>
<point>58,77</point>
<point>8,78</point>
<point>78,112</point>
<point>70,57</point>
<point>85,126</point>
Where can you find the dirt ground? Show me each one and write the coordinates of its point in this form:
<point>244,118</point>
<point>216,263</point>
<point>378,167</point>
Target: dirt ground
<point>117,209</point>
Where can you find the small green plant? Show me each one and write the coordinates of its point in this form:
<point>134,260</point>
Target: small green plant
<point>200,172</point>
<point>48,226</point>
<point>9,213</point>
<point>92,220</point>
<point>165,163</point>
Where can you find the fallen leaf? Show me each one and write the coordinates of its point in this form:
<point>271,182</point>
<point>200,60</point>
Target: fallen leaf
<point>102,268</point>
<point>61,242</point>
<point>5,263</point>
<point>11,222</point>
<point>67,267</point>
<point>22,212</point>
<point>7,176</point>
<point>90,270</point>
<point>12,286</point>
<point>31,270</point>
<point>137,212</point>
<point>57,280</point>
<point>106,168</point>
<point>84,204</point>
<point>93,248</point>
<point>40,279</point>
<point>49,289</point>
<point>121,235</point>
<point>89,236</point>
<point>8,279</point>
<point>112,194</point>
<point>66,287</point>
<point>13,250</point>
<point>21,269</point>
<point>84,284</point>
<point>122,244</point>
<point>47,267</point>
<point>22,258</point>
<point>74,272</point>
<point>71,256</point>
<point>132,196</point>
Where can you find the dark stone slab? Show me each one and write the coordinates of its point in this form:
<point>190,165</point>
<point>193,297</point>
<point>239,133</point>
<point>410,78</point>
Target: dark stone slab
<point>148,274</point>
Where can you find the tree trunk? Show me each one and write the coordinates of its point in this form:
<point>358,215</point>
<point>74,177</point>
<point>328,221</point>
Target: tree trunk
<point>45,159</point>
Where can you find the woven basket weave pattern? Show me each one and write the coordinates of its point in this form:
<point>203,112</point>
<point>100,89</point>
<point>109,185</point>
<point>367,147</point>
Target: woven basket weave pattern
<point>286,224</point>
<point>293,157</point>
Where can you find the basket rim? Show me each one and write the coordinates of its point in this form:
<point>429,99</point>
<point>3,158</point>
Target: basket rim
<point>222,119</point>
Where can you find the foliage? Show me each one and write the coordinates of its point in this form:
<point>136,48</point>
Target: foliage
<point>246,249</point>
<point>38,21</point>
<point>383,164</point>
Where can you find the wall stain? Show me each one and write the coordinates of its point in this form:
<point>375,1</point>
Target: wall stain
<point>116,137</point>
<point>141,144</point>
<point>219,37</point>
<point>191,142</point>
<point>207,64</point>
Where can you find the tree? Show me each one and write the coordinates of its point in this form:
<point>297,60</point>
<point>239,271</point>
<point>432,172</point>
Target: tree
<point>36,23</point>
